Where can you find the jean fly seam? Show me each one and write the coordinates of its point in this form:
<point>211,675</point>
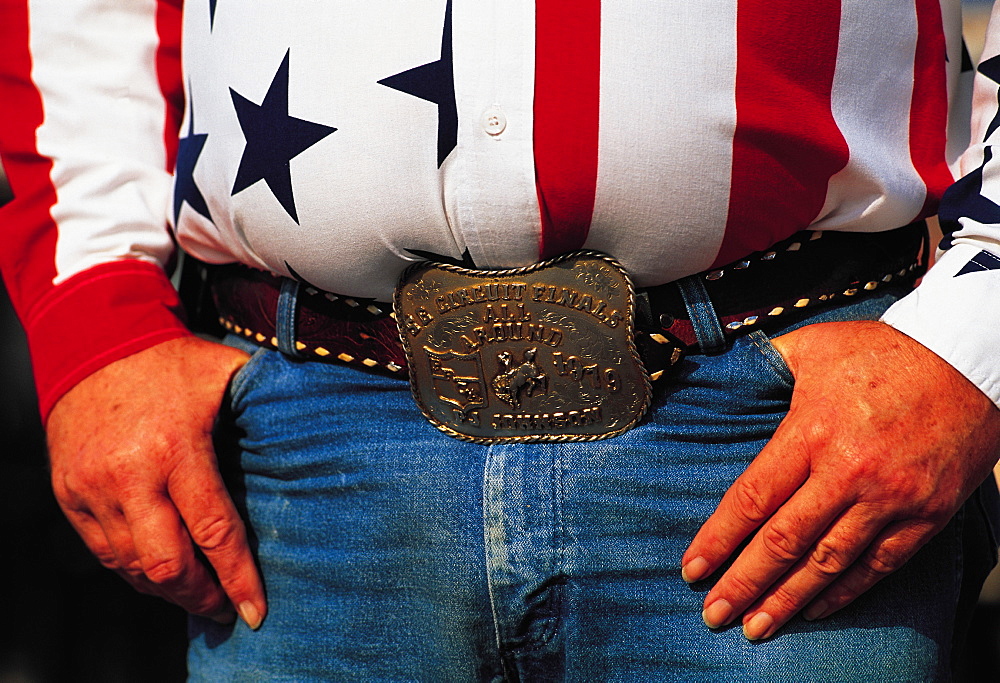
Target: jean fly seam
<point>553,564</point>
<point>558,557</point>
<point>487,550</point>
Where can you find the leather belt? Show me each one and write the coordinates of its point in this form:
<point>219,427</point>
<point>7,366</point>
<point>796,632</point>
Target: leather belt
<point>328,327</point>
<point>767,288</point>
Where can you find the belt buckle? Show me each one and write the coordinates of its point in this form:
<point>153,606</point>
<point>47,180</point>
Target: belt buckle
<point>540,353</point>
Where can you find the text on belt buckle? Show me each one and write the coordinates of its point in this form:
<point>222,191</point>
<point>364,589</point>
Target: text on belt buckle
<point>541,353</point>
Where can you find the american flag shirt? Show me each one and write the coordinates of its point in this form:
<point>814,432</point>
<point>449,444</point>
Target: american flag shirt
<point>339,141</point>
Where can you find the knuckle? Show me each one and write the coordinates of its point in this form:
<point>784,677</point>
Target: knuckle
<point>132,568</point>
<point>740,589</point>
<point>69,487</point>
<point>749,501</point>
<point>783,602</point>
<point>937,511</point>
<point>81,487</point>
<point>165,571</point>
<point>62,491</point>
<point>815,432</point>
<point>214,533</point>
<point>883,560</point>
<point>828,558</point>
<point>780,543</point>
<point>107,559</point>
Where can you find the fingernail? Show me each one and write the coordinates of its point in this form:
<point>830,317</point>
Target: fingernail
<point>718,614</point>
<point>759,626</point>
<point>695,570</point>
<point>250,614</point>
<point>817,610</point>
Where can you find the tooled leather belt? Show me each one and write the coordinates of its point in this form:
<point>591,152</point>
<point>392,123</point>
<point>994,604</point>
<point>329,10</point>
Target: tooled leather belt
<point>791,279</point>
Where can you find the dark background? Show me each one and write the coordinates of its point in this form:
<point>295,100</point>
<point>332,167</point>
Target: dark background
<point>63,617</point>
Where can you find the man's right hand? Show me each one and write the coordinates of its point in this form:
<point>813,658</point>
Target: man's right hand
<point>134,470</point>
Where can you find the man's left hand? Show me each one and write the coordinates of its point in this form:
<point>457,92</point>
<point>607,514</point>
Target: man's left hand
<point>882,444</point>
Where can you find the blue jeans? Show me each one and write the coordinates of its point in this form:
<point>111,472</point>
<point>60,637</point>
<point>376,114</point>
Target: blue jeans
<point>391,552</point>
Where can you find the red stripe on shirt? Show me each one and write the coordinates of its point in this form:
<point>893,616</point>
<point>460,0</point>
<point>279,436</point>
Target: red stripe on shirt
<point>168,73</point>
<point>787,145</point>
<point>28,237</point>
<point>100,315</point>
<point>929,106</point>
<point>567,103</point>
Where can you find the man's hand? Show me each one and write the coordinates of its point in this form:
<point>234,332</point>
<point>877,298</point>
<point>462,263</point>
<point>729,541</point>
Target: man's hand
<point>883,443</point>
<point>134,470</point>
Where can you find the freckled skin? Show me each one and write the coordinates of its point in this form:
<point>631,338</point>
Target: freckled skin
<point>134,471</point>
<point>882,444</point>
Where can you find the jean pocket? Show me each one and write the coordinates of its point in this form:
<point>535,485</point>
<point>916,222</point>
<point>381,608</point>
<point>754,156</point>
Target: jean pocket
<point>239,384</point>
<point>775,361</point>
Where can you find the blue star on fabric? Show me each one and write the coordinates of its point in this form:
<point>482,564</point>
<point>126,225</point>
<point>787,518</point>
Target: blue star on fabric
<point>965,199</point>
<point>185,189</point>
<point>984,260</point>
<point>273,139</point>
<point>435,82</point>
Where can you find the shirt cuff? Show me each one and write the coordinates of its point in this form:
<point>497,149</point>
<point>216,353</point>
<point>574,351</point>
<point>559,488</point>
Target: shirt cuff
<point>99,316</point>
<point>955,312</point>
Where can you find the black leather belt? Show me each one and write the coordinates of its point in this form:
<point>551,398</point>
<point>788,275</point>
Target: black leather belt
<point>790,279</point>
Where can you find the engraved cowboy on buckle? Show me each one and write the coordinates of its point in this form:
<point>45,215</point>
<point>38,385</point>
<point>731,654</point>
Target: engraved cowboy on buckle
<point>541,353</point>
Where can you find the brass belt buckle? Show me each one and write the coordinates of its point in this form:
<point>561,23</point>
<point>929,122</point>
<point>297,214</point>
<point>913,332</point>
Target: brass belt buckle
<point>541,353</point>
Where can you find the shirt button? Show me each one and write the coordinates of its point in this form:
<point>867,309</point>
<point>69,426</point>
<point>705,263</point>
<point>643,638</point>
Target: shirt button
<point>494,122</point>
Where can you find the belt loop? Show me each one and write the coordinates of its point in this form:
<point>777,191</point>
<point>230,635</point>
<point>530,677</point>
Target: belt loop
<point>644,312</point>
<point>706,324</point>
<point>285,323</point>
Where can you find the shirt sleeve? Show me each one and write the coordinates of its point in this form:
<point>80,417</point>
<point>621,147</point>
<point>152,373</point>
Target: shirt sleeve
<point>955,311</point>
<point>88,128</point>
